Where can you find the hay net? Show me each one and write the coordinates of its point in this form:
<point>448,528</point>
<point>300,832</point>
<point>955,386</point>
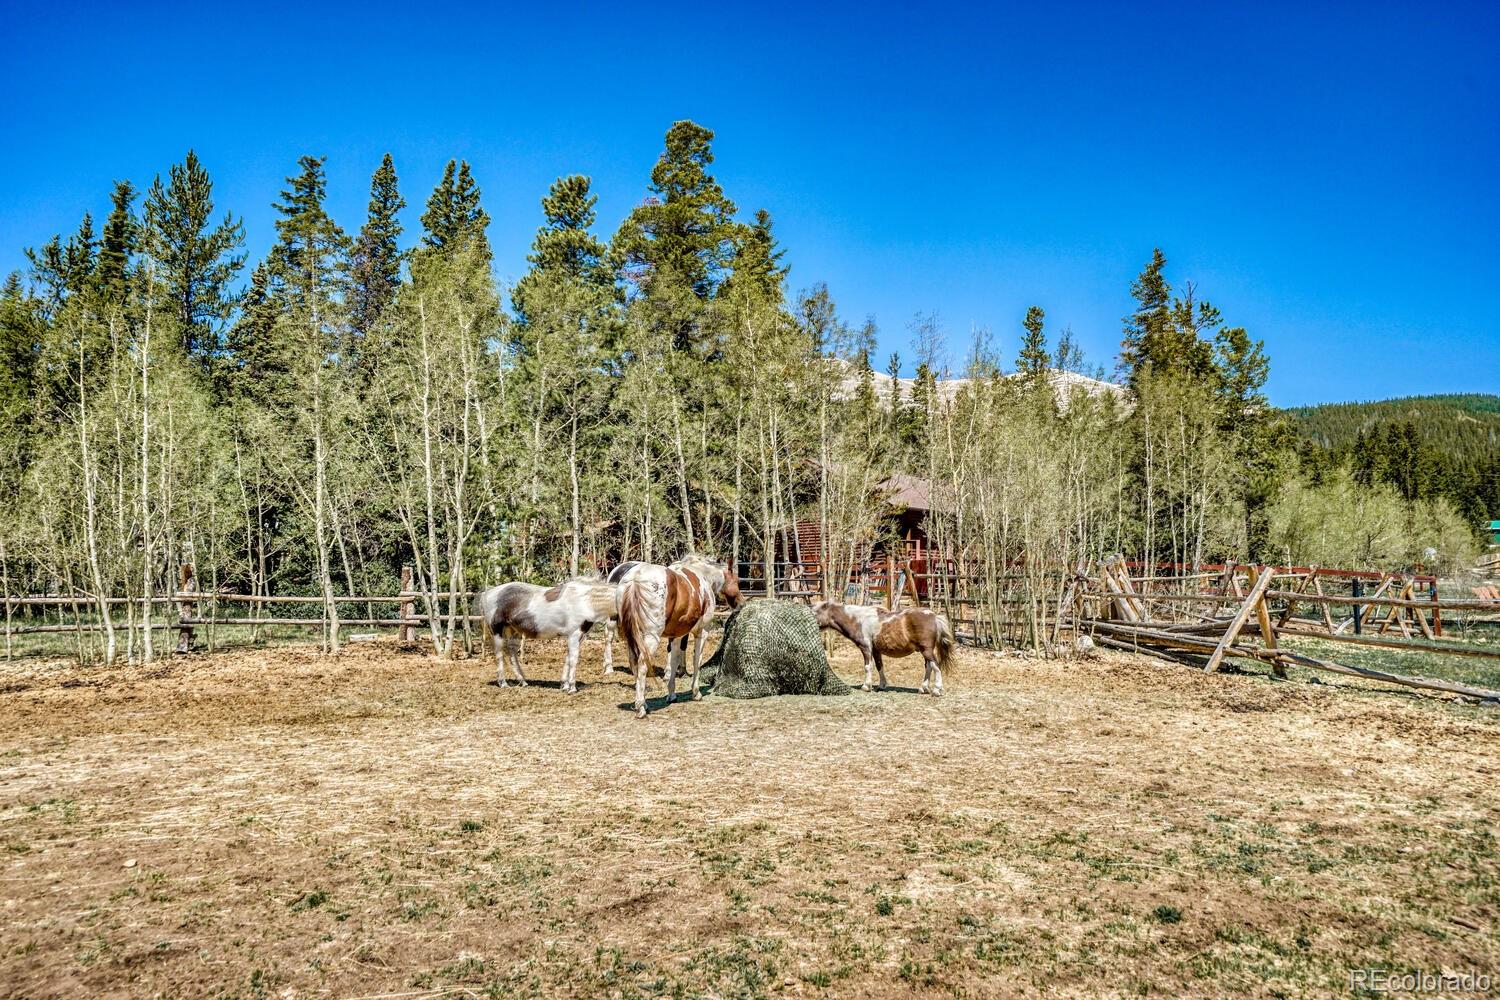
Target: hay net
<point>771,647</point>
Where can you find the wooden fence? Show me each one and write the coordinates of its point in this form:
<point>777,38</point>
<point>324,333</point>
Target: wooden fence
<point>1206,620</point>
<point>1180,613</point>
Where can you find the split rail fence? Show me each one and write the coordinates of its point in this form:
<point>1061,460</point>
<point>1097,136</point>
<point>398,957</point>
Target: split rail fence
<point>1200,617</point>
<point>1248,612</point>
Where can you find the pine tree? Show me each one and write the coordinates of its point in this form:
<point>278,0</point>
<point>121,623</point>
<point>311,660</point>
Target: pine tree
<point>121,235</point>
<point>686,228</point>
<point>454,219</point>
<point>1150,317</point>
<point>81,256</point>
<point>565,248</point>
<point>757,263</point>
<point>1033,361</point>
<point>259,361</point>
<point>307,263</point>
<point>197,262</point>
<point>375,264</point>
<point>20,346</point>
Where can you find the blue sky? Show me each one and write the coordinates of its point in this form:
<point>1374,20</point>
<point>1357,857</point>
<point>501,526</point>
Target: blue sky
<point>1326,173</point>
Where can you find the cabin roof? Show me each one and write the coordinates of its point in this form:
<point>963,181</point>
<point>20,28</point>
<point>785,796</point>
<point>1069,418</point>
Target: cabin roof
<point>906,491</point>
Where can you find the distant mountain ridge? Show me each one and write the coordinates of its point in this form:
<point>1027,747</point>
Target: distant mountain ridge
<point>1462,424</point>
<point>1064,384</point>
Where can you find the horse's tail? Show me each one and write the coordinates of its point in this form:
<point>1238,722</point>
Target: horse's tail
<point>480,608</point>
<point>639,619</point>
<point>944,642</point>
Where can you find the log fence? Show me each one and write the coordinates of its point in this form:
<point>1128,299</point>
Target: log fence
<point>1201,616</point>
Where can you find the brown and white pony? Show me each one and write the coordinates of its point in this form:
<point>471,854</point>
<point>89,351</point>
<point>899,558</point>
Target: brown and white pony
<point>673,603</point>
<point>512,611</point>
<point>878,632</point>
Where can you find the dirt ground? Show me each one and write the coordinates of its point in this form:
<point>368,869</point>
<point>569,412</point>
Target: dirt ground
<point>382,823</point>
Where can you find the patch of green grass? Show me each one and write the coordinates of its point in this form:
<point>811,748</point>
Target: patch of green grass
<point>308,901</point>
<point>1167,914</point>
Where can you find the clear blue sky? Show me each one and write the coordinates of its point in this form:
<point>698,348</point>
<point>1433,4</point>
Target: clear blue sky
<point>1326,173</point>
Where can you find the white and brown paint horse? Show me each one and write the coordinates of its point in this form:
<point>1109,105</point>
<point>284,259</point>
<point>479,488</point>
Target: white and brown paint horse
<point>512,611</point>
<point>878,632</point>
<point>674,603</point>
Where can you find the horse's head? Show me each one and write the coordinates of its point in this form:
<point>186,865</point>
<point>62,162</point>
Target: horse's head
<point>731,589</point>
<point>725,583</point>
<point>823,611</point>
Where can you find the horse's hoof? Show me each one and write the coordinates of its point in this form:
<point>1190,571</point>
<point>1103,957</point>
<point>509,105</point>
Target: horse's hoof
<point>864,687</point>
<point>697,695</point>
<point>640,713</point>
<point>937,692</point>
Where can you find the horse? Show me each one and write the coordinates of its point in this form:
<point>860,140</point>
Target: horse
<point>878,632</point>
<point>672,603</point>
<point>616,576</point>
<point>513,610</point>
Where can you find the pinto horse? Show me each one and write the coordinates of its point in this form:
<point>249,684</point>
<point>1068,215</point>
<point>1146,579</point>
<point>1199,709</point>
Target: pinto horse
<point>513,610</point>
<point>878,632</point>
<point>673,603</point>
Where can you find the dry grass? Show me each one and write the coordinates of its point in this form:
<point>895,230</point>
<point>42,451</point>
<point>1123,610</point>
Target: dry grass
<point>382,823</point>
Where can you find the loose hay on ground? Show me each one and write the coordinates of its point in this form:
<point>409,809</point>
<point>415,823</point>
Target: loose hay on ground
<point>384,822</point>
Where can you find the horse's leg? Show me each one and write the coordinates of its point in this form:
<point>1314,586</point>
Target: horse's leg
<point>926,672</point>
<point>513,645</point>
<point>639,664</point>
<point>880,666</point>
<point>609,647</point>
<point>498,640</point>
<point>675,648</point>
<point>570,668</point>
<point>869,668</point>
<point>937,672</point>
<point>698,658</point>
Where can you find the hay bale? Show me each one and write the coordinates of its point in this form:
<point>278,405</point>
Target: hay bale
<point>771,647</point>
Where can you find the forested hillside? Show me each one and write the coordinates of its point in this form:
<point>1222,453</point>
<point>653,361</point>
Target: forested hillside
<point>1458,424</point>
<point>1423,446</point>
<point>365,398</point>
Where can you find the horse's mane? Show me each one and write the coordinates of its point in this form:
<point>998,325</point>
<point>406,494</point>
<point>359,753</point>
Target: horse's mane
<point>700,558</point>
<point>585,579</point>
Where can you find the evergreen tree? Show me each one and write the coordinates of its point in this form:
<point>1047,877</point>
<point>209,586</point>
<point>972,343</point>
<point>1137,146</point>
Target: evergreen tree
<point>196,261</point>
<point>685,231</point>
<point>81,256</point>
<point>375,264</point>
<point>307,263</point>
<point>65,269</point>
<point>1150,318</point>
<point>20,346</point>
<point>119,243</point>
<point>259,360</point>
<point>565,248</point>
<point>1034,359</point>
<point>454,219</point>
<point>757,262</point>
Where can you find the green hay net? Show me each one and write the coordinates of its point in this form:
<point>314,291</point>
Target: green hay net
<point>771,647</point>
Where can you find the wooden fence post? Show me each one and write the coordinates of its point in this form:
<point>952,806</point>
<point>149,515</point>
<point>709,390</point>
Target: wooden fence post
<point>1437,613</point>
<point>1258,590</point>
<point>187,583</point>
<point>1263,615</point>
<point>408,608</point>
<point>1356,589</point>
